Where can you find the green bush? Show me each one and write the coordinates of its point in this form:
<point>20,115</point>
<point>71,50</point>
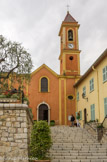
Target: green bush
<point>26,99</point>
<point>100,126</point>
<point>40,140</point>
<point>15,96</point>
<point>2,96</point>
<point>52,122</point>
<point>96,120</point>
<point>90,121</point>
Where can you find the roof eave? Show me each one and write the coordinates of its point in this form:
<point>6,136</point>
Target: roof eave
<point>95,64</point>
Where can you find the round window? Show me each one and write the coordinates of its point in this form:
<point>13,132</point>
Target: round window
<point>70,97</point>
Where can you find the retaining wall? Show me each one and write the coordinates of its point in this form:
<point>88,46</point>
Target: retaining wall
<point>15,129</point>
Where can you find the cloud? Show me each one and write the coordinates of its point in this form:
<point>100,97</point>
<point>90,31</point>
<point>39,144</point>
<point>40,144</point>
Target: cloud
<point>36,24</point>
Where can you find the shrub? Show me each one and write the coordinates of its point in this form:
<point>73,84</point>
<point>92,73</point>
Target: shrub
<point>91,121</point>
<point>96,120</point>
<point>15,96</point>
<point>100,126</point>
<point>52,122</point>
<point>40,140</point>
<point>2,96</point>
<point>7,93</point>
<point>26,99</point>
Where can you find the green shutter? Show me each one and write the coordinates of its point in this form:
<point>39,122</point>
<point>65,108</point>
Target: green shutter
<point>93,112</point>
<point>92,84</point>
<point>84,90</point>
<point>77,96</point>
<point>105,74</point>
<point>105,106</point>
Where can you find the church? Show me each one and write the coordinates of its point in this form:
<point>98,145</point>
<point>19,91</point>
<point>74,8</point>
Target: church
<point>52,96</point>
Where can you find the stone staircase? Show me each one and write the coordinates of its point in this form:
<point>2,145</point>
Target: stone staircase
<point>74,144</point>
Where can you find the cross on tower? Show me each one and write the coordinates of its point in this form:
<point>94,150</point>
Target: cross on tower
<point>68,8</point>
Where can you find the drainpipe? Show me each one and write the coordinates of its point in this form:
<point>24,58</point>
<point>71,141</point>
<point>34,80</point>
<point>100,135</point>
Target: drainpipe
<point>97,89</point>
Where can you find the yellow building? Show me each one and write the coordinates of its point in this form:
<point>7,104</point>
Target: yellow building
<point>91,91</point>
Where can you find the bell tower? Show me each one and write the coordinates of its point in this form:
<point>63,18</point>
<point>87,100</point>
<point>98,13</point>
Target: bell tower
<point>69,47</point>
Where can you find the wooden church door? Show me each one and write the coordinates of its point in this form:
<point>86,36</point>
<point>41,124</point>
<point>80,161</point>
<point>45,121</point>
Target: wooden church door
<point>43,112</point>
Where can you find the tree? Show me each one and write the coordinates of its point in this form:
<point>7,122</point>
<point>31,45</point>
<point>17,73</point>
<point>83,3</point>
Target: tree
<point>14,60</point>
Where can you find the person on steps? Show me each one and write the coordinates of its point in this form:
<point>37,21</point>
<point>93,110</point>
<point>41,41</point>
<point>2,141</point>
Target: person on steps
<point>72,120</point>
<point>77,119</point>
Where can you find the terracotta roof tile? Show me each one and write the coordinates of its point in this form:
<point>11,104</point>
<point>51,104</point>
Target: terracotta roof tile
<point>69,18</point>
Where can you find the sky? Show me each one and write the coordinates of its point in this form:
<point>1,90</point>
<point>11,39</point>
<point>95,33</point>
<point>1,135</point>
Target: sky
<point>36,24</point>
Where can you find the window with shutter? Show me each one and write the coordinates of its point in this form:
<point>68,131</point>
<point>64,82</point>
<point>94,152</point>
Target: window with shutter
<point>77,96</point>
<point>105,74</point>
<point>80,115</point>
<point>91,85</point>
<point>84,91</point>
<point>93,112</point>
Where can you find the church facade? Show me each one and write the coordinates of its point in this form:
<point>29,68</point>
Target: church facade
<point>52,96</point>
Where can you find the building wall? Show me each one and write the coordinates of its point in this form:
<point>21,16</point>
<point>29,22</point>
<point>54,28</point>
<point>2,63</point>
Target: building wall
<point>15,131</point>
<point>102,88</point>
<point>71,106</point>
<point>66,106</point>
<point>51,98</point>
<point>96,96</point>
<point>57,97</point>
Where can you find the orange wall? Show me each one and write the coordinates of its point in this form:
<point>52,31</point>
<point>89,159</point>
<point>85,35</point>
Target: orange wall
<point>71,64</point>
<point>70,103</point>
<point>62,102</point>
<point>51,98</point>
<point>61,66</point>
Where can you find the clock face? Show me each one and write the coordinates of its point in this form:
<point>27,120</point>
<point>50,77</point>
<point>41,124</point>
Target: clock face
<point>70,46</point>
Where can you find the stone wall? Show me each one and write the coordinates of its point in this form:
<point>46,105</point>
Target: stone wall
<point>104,138</point>
<point>92,130</point>
<point>15,128</point>
<point>98,133</point>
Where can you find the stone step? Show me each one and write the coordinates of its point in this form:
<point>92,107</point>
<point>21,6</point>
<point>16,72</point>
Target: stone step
<point>79,146</point>
<point>76,151</point>
<point>76,145</point>
<point>73,141</point>
<point>80,160</point>
<point>79,157</point>
<point>79,154</point>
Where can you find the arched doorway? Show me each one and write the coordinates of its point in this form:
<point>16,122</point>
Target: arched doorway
<point>43,112</point>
